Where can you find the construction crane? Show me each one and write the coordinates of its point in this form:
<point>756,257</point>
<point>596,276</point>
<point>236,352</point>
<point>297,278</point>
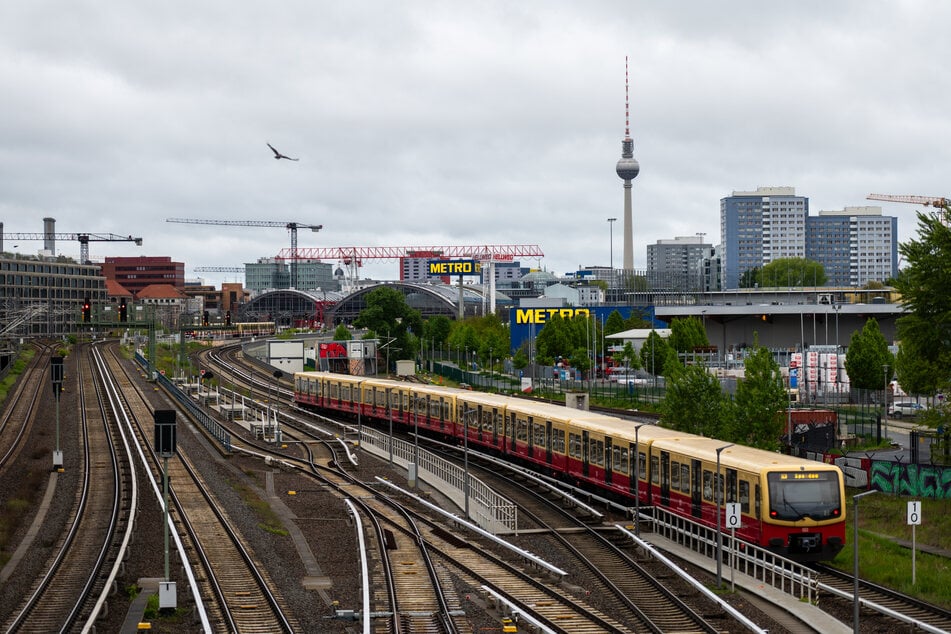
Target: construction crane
<point>83,238</point>
<point>927,201</point>
<point>290,226</point>
<point>219,269</point>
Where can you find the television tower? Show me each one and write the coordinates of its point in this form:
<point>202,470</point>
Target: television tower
<point>627,168</point>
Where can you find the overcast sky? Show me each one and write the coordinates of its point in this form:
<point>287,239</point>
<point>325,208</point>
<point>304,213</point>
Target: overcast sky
<point>451,123</point>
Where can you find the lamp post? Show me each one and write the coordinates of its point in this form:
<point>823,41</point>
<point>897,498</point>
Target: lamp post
<point>465,462</point>
<point>277,398</point>
<point>719,501</point>
<point>855,558</point>
<point>885,400</point>
<point>389,406</point>
<point>611,222</point>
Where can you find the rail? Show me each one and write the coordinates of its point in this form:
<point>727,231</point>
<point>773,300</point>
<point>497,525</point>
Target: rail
<point>699,587</point>
<point>487,509</point>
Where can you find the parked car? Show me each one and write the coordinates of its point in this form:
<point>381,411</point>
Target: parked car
<point>904,408</point>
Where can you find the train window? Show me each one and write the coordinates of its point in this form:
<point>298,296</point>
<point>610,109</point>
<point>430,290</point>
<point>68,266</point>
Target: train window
<point>487,420</point>
<point>675,475</point>
<point>574,445</point>
<point>731,485</point>
<point>538,435</point>
<point>708,485</point>
<point>345,392</point>
<point>621,459</point>
<point>756,500</point>
<point>334,391</point>
<point>685,478</point>
<point>521,430</point>
<point>655,470</point>
<point>558,440</point>
<point>596,451</point>
<point>641,466</point>
<point>745,496</point>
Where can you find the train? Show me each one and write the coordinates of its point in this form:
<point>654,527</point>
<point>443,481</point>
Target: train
<point>790,506</point>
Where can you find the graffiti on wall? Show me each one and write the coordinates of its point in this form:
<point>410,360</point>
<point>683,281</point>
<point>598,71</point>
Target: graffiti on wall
<point>929,481</point>
<point>855,470</point>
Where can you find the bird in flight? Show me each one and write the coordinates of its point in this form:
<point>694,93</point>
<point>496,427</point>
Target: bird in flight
<point>278,156</point>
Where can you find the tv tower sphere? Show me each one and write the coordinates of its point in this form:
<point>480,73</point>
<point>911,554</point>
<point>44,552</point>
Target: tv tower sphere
<point>627,166</point>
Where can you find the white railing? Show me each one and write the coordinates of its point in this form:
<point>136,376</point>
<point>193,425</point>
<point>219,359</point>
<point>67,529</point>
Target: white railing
<point>487,509</point>
<point>767,567</point>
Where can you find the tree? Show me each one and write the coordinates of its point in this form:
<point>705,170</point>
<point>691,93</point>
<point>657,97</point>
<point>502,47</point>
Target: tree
<point>915,373</point>
<point>687,333</point>
<point>630,356</point>
<point>924,284</point>
<point>614,323</point>
<point>654,353</point>
<point>792,272</point>
<point>760,400</point>
<point>694,402</point>
<point>388,314</point>
<point>436,330</point>
<point>866,357</point>
<point>750,278</point>
<point>342,333</point>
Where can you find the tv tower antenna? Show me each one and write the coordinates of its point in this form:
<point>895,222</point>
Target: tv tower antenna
<point>627,168</point>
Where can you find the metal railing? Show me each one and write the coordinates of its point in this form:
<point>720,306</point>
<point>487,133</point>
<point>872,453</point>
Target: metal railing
<point>487,509</point>
<point>785,575</point>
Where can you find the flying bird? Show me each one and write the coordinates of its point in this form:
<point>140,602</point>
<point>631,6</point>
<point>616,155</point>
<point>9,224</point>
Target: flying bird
<point>278,156</point>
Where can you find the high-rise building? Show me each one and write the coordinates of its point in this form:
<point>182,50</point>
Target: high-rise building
<point>855,246</point>
<point>761,226</point>
<point>678,264</point>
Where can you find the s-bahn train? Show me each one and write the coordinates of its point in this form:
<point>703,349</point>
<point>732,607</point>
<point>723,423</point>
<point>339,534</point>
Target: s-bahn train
<point>791,506</point>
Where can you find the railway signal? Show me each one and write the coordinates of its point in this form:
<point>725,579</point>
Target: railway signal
<point>87,311</point>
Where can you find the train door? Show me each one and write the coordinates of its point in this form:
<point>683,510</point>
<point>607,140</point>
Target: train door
<point>531,436</point>
<point>696,489</point>
<point>635,471</point>
<point>584,453</point>
<point>608,459</point>
<point>548,442</point>
<point>665,478</point>
<point>730,485</point>
<point>495,427</point>
<point>512,432</point>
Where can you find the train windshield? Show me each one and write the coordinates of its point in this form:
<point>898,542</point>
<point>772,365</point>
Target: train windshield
<point>794,495</point>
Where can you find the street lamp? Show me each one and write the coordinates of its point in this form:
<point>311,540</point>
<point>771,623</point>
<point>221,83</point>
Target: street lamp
<point>465,451</point>
<point>611,222</point>
<point>855,558</point>
<point>719,501</point>
<point>885,400</point>
<point>277,397</point>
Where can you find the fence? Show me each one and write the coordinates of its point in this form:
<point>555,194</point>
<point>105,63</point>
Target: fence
<point>487,509</point>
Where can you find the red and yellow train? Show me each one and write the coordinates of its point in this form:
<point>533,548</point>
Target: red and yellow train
<point>789,505</point>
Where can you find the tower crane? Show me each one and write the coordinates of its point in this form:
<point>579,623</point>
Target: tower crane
<point>927,201</point>
<point>83,238</point>
<point>290,226</point>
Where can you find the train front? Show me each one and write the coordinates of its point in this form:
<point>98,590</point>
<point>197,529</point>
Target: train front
<point>805,512</point>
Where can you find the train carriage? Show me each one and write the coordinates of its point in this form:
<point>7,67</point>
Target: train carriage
<point>684,479</point>
<point>792,506</point>
<point>484,415</point>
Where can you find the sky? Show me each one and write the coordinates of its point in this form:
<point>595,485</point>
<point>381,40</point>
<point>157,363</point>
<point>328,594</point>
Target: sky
<point>448,123</point>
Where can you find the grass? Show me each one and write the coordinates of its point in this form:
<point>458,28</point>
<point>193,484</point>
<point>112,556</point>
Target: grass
<point>270,522</point>
<point>882,521</point>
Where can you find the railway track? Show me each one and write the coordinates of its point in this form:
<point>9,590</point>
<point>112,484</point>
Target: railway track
<point>234,586</point>
<point>625,588</point>
<point>934,616</point>
<point>18,418</point>
<point>75,575</point>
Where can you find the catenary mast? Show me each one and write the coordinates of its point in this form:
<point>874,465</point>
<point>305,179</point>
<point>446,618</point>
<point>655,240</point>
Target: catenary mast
<point>628,169</point>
